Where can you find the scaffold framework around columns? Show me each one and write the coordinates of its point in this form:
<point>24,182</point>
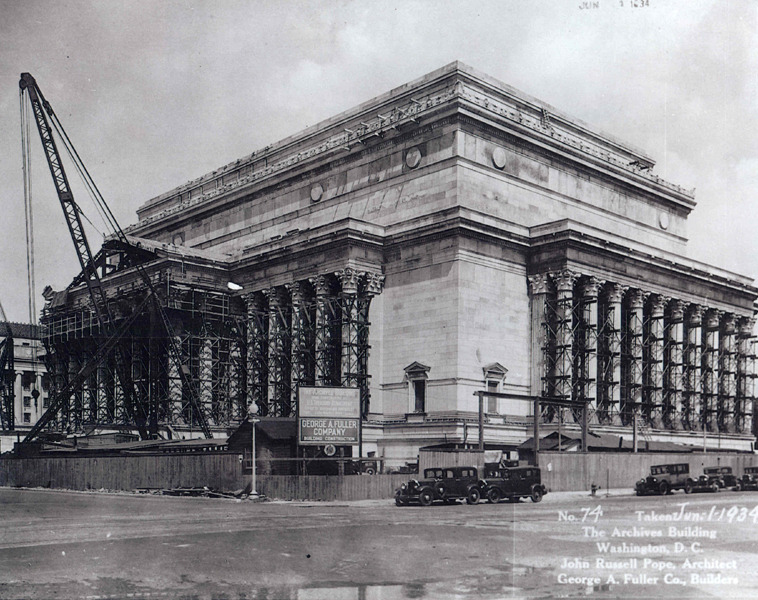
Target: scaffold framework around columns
<point>638,358</point>
<point>186,363</point>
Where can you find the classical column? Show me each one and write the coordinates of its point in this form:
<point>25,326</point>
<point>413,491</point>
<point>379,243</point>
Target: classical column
<point>636,303</point>
<point>89,391</point>
<point>674,372</point>
<point>349,280</point>
<point>614,295</point>
<point>692,407</point>
<point>235,379</point>
<point>205,375</point>
<point>727,374</point>
<point>590,289</point>
<point>257,353</point>
<point>75,403</point>
<point>325,344</point>
<point>538,289</point>
<point>710,369</point>
<point>564,337</point>
<point>18,396</point>
<point>654,399</point>
<point>279,395</point>
<point>374,284</point>
<point>175,393</point>
<point>744,404</point>
<point>299,351</point>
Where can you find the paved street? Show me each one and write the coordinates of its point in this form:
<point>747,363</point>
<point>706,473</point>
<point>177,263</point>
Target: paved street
<point>88,545</point>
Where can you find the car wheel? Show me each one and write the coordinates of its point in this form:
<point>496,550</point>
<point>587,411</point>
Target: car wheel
<point>715,487</point>
<point>425,498</point>
<point>738,487</point>
<point>688,487</point>
<point>473,496</point>
<point>536,495</point>
<point>399,502</point>
<point>663,488</point>
<point>493,496</point>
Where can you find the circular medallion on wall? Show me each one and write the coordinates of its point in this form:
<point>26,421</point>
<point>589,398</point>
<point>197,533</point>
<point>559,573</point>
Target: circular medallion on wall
<point>498,158</point>
<point>663,220</point>
<point>316,192</point>
<point>413,158</point>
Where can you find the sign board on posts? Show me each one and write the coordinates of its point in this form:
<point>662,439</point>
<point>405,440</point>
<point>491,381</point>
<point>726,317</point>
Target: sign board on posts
<point>328,415</point>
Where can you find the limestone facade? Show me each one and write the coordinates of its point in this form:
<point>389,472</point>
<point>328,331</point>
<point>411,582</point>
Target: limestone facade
<point>456,235</point>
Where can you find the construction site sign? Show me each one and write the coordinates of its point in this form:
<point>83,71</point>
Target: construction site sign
<point>329,415</point>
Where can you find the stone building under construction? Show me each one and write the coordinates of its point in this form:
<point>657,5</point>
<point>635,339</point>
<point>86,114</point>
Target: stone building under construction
<point>453,235</point>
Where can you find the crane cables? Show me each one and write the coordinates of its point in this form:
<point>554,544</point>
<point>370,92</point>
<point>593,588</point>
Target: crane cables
<point>28,214</point>
<point>97,198</point>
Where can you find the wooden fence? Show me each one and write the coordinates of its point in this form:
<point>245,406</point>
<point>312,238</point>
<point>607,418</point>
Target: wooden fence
<point>325,487</point>
<point>218,471</point>
<point>561,471</point>
<point>450,458</point>
<point>565,471</point>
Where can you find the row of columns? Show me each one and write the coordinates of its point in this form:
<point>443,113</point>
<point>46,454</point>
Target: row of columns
<point>310,332</point>
<point>622,350</point>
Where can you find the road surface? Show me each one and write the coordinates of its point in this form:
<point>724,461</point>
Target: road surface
<point>56,544</point>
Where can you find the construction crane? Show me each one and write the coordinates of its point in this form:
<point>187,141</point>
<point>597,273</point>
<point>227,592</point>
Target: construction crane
<point>7,376</point>
<point>46,121</point>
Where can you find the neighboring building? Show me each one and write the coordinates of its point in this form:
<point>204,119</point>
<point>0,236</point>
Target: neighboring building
<point>453,235</point>
<point>30,383</point>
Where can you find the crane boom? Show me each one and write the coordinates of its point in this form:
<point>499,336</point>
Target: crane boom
<point>42,109</point>
<point>44,118</point>
<point>43,114</point>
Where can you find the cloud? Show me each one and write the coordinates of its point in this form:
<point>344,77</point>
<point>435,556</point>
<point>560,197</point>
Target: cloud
<point>155,94</point>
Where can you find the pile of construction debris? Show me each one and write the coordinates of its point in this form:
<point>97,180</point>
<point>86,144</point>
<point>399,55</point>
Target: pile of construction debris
<point>205,492</point>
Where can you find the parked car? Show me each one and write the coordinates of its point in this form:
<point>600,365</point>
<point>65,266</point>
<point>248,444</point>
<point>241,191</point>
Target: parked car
<point>513,483</point>
<point>704,483</point>
<point>407,469</point>
<point>721,475</point>
<point>446,484</point>
<point>749,479</point>
<point>663,479</point>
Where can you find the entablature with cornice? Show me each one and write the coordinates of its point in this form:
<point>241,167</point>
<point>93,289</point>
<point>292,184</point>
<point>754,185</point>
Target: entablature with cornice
<point>593,256</point>
<point>455,87</point>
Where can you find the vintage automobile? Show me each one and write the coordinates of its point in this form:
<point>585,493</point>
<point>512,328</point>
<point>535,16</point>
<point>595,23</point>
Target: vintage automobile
<point>749,479</point>
<point>663,479</point>
<point>721,475</point>
<point>446,484</point>
<point>513,483</point>
<point>704,483</point>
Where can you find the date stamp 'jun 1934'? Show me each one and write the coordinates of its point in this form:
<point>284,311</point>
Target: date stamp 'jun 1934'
<point>598,4</point>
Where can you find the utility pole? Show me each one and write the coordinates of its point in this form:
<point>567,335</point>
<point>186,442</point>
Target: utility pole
<point>254,491</point>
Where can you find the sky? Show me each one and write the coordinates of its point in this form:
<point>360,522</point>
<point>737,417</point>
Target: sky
<point>156,93</point>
